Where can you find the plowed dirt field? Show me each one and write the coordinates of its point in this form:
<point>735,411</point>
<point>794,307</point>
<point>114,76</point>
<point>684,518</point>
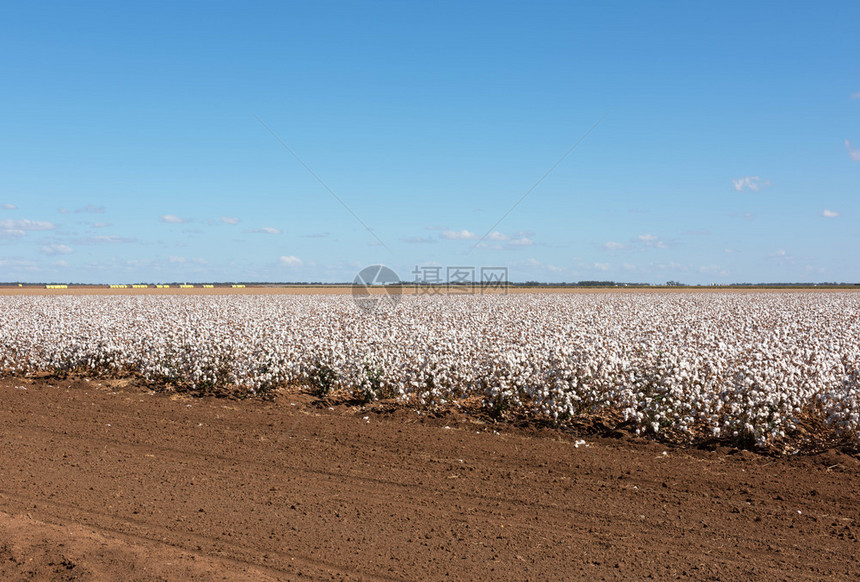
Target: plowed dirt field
<point>112,482</point>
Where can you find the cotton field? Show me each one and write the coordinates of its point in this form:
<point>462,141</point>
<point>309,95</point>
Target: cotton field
<point>742,366</point>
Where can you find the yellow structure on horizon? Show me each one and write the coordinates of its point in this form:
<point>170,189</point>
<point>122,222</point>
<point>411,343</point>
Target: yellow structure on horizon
<point>53,286</point>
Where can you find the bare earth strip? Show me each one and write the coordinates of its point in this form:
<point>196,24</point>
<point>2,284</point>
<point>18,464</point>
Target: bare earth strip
<point>406,290</point>
<point>110,482</point>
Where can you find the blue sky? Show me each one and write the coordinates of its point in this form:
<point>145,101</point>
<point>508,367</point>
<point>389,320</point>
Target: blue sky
<point>130,146</point>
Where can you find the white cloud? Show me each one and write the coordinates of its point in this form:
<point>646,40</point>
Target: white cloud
<point>497,236</point>
<point>782,256</point>
<point>171,219</point>
<point>182,260</point>
<point>10,233</point>
<point>433,227</point>
<point>24,264</point>
<point>61,263</point>
<point>9,207</point>
<point>650,240</point>
<point>745,215</point>
<point>11,229</point>
<point>459,235</point>
<point>106,239</point>
<point>522,242</point>
<point>101,224</point>
<point>92,209</point>
<point>855,95</point>
<point>291,261</point>
<point>829,214</point>
<point>613,246</point>
<point>26,225</point>
<point>418,240</point>
<point>532,265</point>
<point>601,266</point>
<point>713,270</point>
<point>229,220</point>
<point>62,210</point>
<point>265,230</point>
<point>753,183</point>
<point>853,153</point>
<point>672,266</point>
<point>57,249</point>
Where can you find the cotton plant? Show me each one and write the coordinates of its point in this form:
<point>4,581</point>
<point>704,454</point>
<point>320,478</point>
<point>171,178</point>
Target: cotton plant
<point>745,367</point>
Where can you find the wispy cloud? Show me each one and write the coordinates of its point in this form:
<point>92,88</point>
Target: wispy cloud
<point>182,260</point>
<point>459,235</point>
<point>12,229</point>
<point>92,209</point>
<point>60,263</point>
<point>25,264</point>
<point>8,206</point>
<point>829,213</point>
<point>855,95</point>
<point>533,265</point>
<point>172,219</point>
<point>101,224</point>
<point>57,249</point>
<point>290,261</point>
<point>753,183</point>
<point>109,239</point>
<point>713,270</point>
<point>26,225</point>
<point>601,266</point>
<point>229,220</point>
<point>521,242</point>
<point>418,240</point>
<point>315,235</point>
<point>781,256</point>
<point>640,242</point>
<point>671,266</point>
<point>650,240</point>
<point>853,153</point>
<point>497,241</point>
<point>265,230</point>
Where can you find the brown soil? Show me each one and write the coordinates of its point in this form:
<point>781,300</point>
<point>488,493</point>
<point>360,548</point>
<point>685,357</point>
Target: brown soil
<point>408,290</point>
<point>112,482</point>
